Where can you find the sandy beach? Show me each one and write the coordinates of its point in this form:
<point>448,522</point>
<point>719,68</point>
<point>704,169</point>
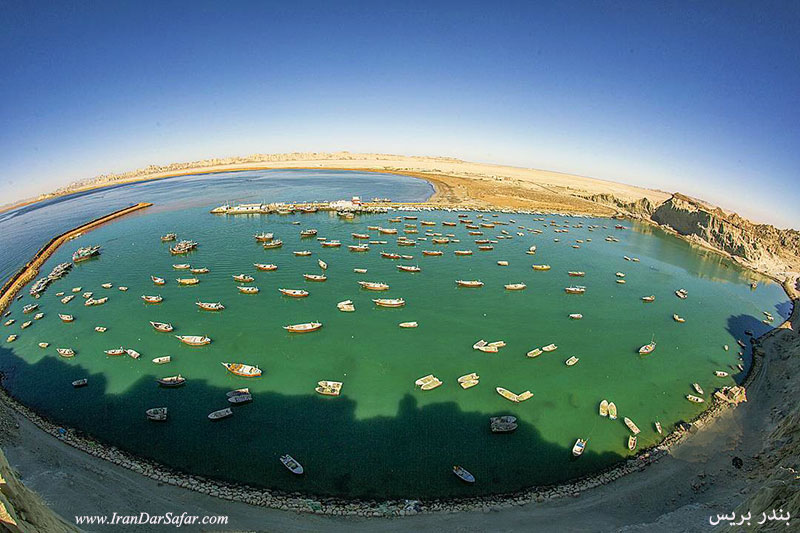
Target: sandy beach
<point>678,492</point>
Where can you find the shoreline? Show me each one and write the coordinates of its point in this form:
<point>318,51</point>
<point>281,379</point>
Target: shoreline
<point>337,506</point>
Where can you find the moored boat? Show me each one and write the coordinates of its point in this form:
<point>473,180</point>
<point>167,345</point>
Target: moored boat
<point>633,427</point>
<point>389,302</point>
<point>243,370</point>
<point>290,463</point>
<point>172,381</point>
<point>536,352</point>
<point>182,266</point>
<point>329,388</point>
<point>571,361</point>
<point>576,316</point>
<point>657,424</point>
<point>373,286</point>
<point>265,267</point>
<point>409,268</point>
<point>220,414</point>
<point>201,270</point>
<point>243,278</point>
<point>694,399</point>
<point>247,289</point>
<point>541,267</point>
<point>463,252</point>
<point>331,244</point>
<point>263,237</point>
<point>648,299</point>
<point>721,373</point>
<point>515,286</point>
<point>503,424</point>
<point>549,348</point>
<point>133,353</point>
<point>156,414</point>
<point>603,410</point>
<point>303,328</point>
<point>469,283</point>
<point>648,348</point>
<point>162,326</point>
<point>576,274</point>
<point>11,338</point>
<point>578,447</point>
<point>66,318</point>
<point>169,237</point>
<point>80,383</point>
<point>157,280</point>
<point>315,277</point>
<point>65,352</point>
<point>631,442</point>
<point>322,264</point>
<point>30,308</point>
<point>273,244</point>
<point>194,340</point>
<point>516,398</point>
<point>346,306</point>
<point>432,252</point>
<point>162,360</point>
<point>302,253</point>
<point>575,290</point>
<point>698,388</point>
<point>408,324</point>
<point>612,411</point>
<point>679,319</point>
<point>157,299</point>
<point>210,306</point>
<point>187,281</point>
<point>115,351</point>
<point>100,329</point>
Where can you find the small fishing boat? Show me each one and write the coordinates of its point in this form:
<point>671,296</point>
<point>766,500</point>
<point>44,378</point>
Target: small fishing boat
<point>238,399</point>
<point>631,442</point>
<point>194,340</point>
<point>123,289</point>
<point>549,348</point>
<point>428,382</point>
<point>541,267</point>
<point>649,299</point>
<point>358,248</point>
<point>679,319</point>
<point>67,299</point>
<point>407,257</point>
<point>294,293</point>
<point>66,318</point>
<point>603,408</point>
<point>30,308</point>
<point>633,427</point>
<point>389,302</point>
<point>162,360</point>
<point>502,263</point>
<point>329,388</point>
<point>621,281</point>
<point>432,252</point>
<point>247,289</point>
<point>576,316</point>
<point>302,253</point>
<point>115,351</point>
<point>694,399</point>
<point>182,266</point>
<point>648,348</point>
<point>26,324</point>
<point>575,290</point>
<point>210,306</point>
<point>469,283</point>
<point>682,293</point>
<point>408,268</point>
<point>463,252</point>
<point>152,299</point>
<point>100,329</point>
<point>77,289</point>
<point>360,270</point>
<point>576,274</point>
<point>331,244</point>
<point>80,383</point>
<point>472,376</point>
<point>388,255</point>
<point>243,278</point>
<point>220,414</point>
<point>133,353</point>
<point>578,447</point>
<point>721,373</point>
<point>290,463</point>
<point>516,398</point>
<point>303,328</point>
<point>408,324</point>
<point>612,411</point>
<point>157,414</point>
<point>265,268</point>
<point>503,424</point>
<point>485,247</point>
<point>273,244</point>
<point>169,237</point>
<point>571,361</point>
<point>44,344</point>
<point>322,264</point>
<point>65,352</point>
<point>162,326</point>
<point>346,306</point>
<point>243,370</point>
<point>698,388</point>
<point>308,233</point>
<point>202,270</point>
<point>157,280</point>
<point>515,286</point>
<point>486,347</point>
<point>188,281</point>
<point>657,424</point>
<point>9,322</point>
<point>263,237</point>
<point>172,381</point>
<point>11,338</point>
<point>245,390</point>
<point>314,277</point>
<point>536,352</point>
<point>373,286</point>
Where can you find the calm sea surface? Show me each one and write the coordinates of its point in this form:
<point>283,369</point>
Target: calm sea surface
<point>382,437</point>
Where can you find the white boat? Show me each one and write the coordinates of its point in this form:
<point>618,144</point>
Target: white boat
<point>11,338</point>
<point>66,318</point>
<point>314,277</point>
<point>290,463</point>
<point>575,290</point>
<point>648,348</point>
<point>603,408</point>
<point>67,299</point>
<point>44,344</point>
<point>248,289</point>
<point>612,411</point>
<point>243,278</point>
<point>571,361</point>
<point>698,388</point>
<point>80,383</point>
<point>657,424</point>
<point>549,348</point>
<point>578,447</point>
<point>721,373</point>
<point>220,414</point>
<point>133,353</point>
<point>469,283</point>
<point>329,388</point>
<point>162,360</point>
<point>294,293</point>
<point>694,399</point>
<point>194,340</point>
<point>303,328</point>
<point>373,286</point>
<point>463,474</point>
<point>515,286</point>
<point>389,302</point>
<point>182,266</point>
<point>346,306</point>
<point>162,326</point>
<point>65,352</point>
<point>265,267</point>
<point>633,427</point>
<point>158,281</point>
<point>152,299</point>
<point>322,264</point>
<point>408,324</point>
<point>100,329</point>
<point>648,299</point>
<point>576,316</point>
<point>115,351</point>
<point>536,352</point>
<point>210,306</point>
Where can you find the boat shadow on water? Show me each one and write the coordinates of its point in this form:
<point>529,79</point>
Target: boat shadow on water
<point>409,455</point>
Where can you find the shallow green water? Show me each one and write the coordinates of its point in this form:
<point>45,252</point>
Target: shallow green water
<point>383,437</point>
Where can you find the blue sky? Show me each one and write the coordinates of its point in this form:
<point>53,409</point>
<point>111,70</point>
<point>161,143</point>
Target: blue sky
<point>701,97</point>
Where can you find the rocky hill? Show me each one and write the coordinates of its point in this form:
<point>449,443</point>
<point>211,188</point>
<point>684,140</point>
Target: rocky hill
<point>761,247</point>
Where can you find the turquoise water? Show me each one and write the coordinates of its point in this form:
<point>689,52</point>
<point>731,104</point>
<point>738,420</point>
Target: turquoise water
<point>383,437</point>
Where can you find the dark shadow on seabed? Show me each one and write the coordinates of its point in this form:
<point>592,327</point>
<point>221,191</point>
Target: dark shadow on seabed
<point>406,456</point>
